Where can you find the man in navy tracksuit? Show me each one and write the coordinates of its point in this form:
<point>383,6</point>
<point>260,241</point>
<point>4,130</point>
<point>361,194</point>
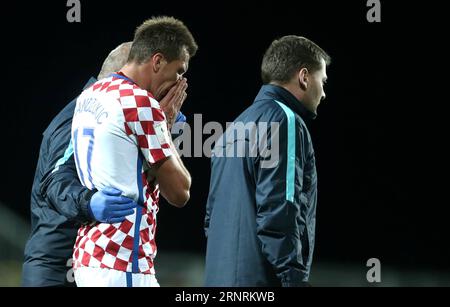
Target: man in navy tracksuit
<point>60,203</point>
<point>261,210</point>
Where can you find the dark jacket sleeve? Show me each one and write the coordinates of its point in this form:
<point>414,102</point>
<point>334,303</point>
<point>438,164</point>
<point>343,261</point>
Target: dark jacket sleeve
<point>277,217</point>
<point>207,219</point>
<point>65,194</point>
<point>209,208</point>
<point>60,185</point>
<point>211,196</point>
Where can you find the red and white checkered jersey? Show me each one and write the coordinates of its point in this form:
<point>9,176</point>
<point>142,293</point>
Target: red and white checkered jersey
<point>118,132</point>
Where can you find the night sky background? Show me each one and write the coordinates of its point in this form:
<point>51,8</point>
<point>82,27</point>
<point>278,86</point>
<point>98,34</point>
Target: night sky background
<point>381,187</point>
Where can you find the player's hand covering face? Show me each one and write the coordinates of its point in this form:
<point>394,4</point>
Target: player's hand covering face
<point>173,100</point>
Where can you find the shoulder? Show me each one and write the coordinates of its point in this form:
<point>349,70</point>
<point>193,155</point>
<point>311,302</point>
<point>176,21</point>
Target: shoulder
<point>131,95</point>
<point>138,104</point>
<point>62,121</point>
<point>281,112</point>
<point>270,110</point>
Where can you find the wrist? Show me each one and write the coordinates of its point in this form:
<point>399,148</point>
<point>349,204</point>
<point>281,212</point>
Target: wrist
<point>85,208</point>
<point>294,278</point>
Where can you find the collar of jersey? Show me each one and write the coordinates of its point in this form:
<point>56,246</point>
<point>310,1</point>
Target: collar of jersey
<point>121,75</point>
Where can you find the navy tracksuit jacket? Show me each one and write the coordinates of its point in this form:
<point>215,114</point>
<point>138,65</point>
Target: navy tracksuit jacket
<point>260,221</point>
<point>59,204</point>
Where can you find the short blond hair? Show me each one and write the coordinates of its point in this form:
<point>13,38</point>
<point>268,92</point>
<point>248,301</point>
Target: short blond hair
<point>115,60</point>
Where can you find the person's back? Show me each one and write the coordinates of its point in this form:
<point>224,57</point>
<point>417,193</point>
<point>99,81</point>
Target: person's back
<point>261,210</point>
<point>59,203</point>
<point>234,254</point>
<point>121,140</point>
<point>111,150</point>
<point>48,250</point>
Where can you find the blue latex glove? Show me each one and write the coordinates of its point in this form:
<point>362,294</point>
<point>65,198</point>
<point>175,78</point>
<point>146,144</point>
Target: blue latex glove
<point>109,206</point>
<point>180,118</point>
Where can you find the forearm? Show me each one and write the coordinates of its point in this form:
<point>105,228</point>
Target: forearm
<point>281,233</point>
<point>183,169</point>
<point>282,249</point>
<point>174,180</point>
<point>67,196</point>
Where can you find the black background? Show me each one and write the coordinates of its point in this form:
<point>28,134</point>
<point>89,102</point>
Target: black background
<point>379,183</point>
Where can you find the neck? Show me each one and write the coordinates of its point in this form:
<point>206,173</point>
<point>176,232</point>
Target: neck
<point>292,88</point>
<point>138,74</point>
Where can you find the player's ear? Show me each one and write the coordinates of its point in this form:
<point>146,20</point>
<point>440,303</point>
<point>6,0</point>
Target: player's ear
<point>158,61</point>
<point>303,76</point>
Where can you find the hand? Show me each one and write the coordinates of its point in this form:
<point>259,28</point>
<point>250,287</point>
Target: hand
<point>109,206</point>
<point>174,99</point>
<point>181,118</point>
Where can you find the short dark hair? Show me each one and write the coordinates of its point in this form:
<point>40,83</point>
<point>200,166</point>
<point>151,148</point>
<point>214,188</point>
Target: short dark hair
<point>289,54</point>
<point>161,34</point>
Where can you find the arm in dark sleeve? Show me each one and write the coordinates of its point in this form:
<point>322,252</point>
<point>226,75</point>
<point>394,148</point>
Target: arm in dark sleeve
<point>208,210</point>
<point>65,194</point>
<point>278,215</point>
<point>219,148</point>
<point>60,186</point>
<point>207,219</point>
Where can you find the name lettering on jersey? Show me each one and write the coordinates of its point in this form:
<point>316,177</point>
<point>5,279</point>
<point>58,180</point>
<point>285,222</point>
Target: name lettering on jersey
<point>91,105</point>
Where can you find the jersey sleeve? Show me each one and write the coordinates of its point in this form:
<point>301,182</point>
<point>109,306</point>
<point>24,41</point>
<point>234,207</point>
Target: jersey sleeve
<point>145,120</point>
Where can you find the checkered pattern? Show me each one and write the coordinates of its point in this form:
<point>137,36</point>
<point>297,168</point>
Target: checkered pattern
<point>142,113</point>
<point>113,246</point>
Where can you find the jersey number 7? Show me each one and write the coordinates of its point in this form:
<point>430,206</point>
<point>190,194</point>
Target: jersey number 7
<point>87,133</point>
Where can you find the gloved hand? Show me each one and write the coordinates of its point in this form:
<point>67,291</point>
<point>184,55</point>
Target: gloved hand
<point>109,206</point>
<point>181,118</point>
<point>177,127</point>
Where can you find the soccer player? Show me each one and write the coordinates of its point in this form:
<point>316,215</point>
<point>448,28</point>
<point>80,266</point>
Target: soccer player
<point>60,204</point>
<point>121,140</point>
